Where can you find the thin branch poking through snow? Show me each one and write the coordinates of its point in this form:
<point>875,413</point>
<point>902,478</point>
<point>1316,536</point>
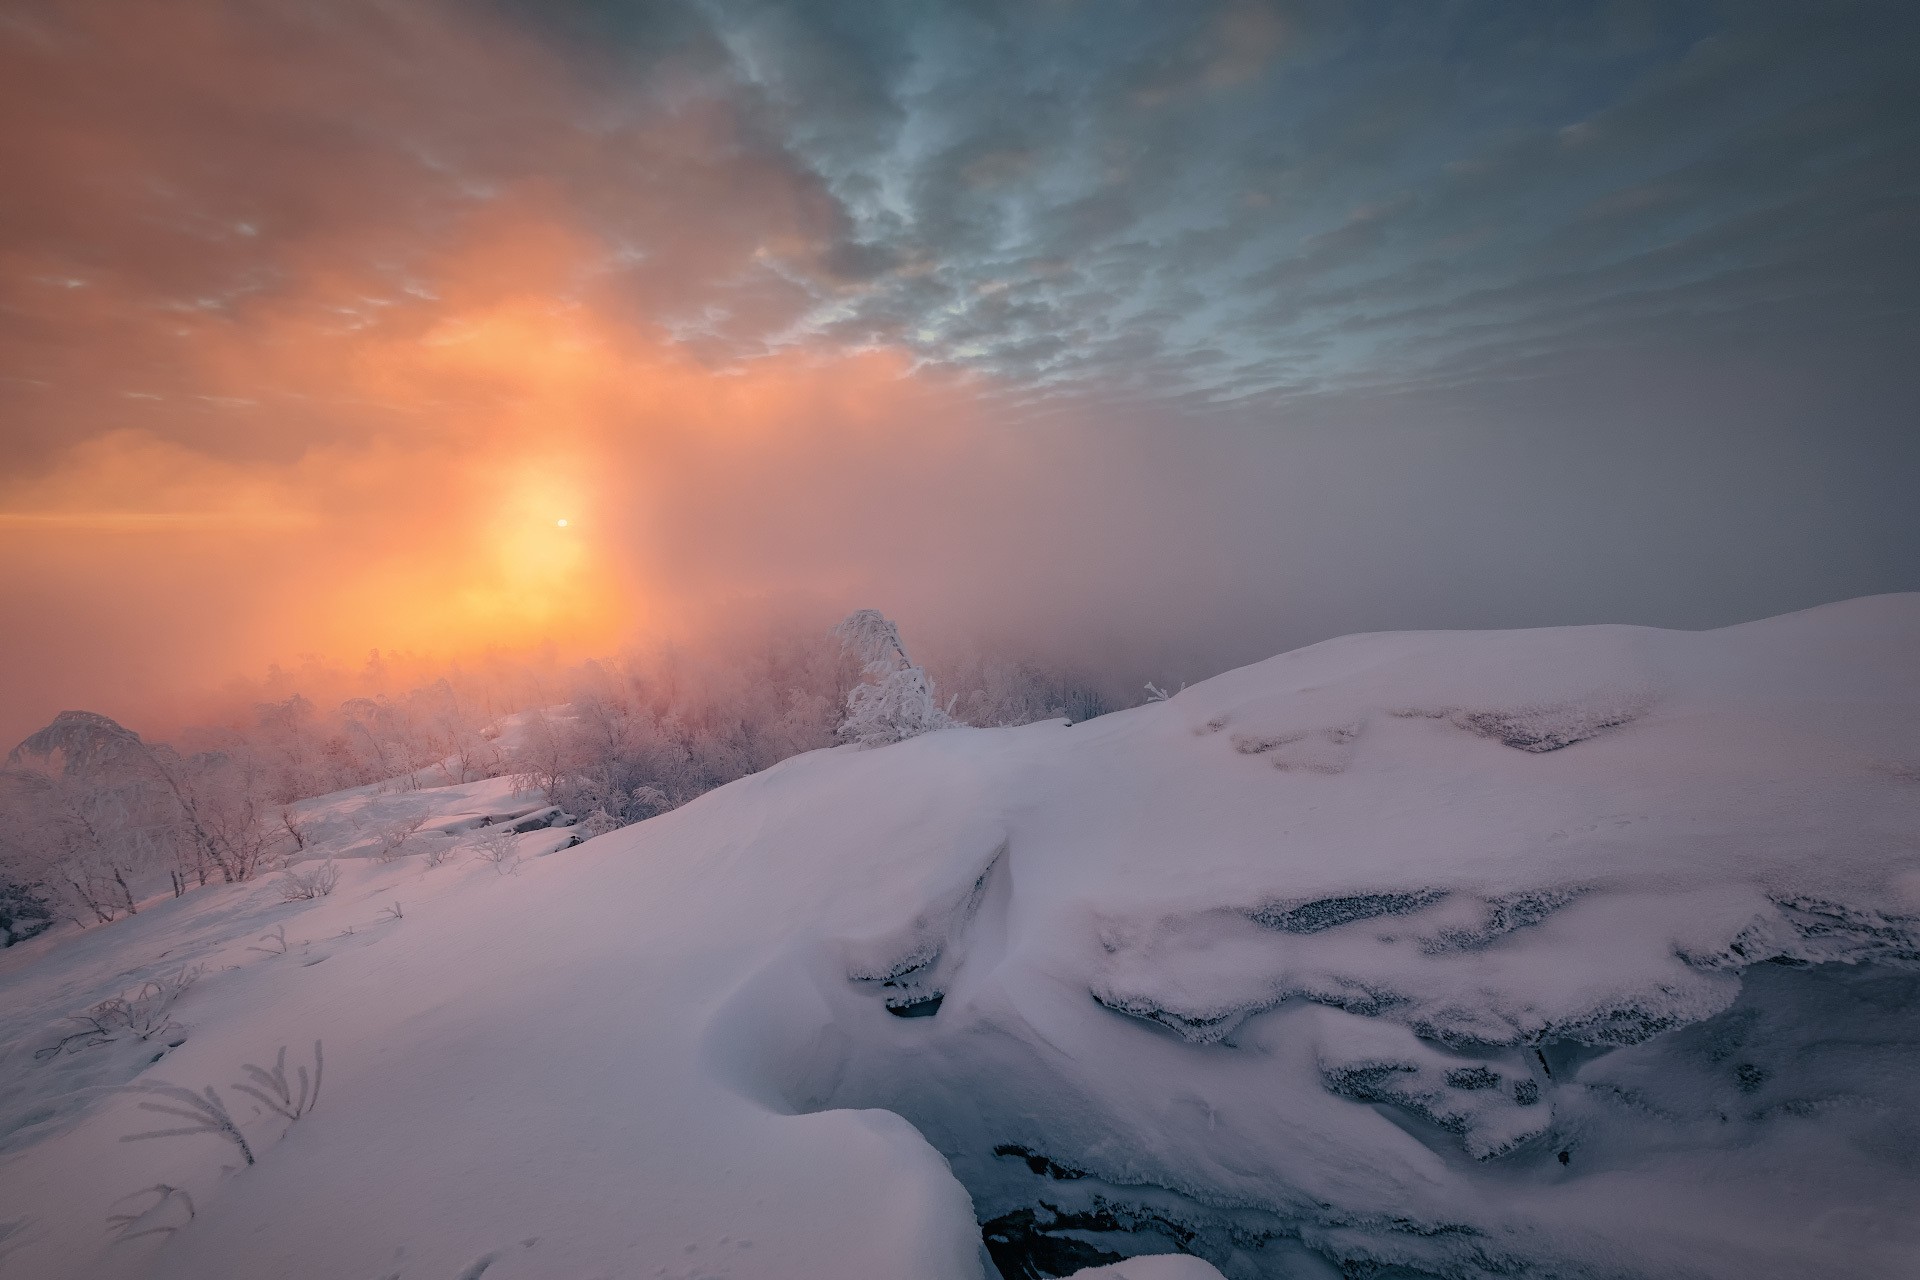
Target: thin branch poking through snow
<point>123,1224</point>
<point>206,1112</point>
<point>287,1097</point>
<point>276,935</point>
<point>146,1014</point>
<point>276,1093</point>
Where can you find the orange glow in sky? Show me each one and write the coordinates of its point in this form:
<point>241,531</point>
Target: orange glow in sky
<point>313,382</point>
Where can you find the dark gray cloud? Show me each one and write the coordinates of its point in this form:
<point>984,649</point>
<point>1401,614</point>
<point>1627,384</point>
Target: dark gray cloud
<point>1269,199</point>
<point>1500,314</point>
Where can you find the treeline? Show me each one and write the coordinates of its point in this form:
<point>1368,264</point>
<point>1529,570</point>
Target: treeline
<point>94,819</point>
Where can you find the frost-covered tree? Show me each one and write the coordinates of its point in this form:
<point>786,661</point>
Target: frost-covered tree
<point>101,816</point>
<point>101,807</point>
<point>77,815</point>
<point>873,638</point>
<point>894,700</point>
<point>652,730</point>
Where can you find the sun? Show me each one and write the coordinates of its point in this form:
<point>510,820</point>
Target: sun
<point>560,523</point>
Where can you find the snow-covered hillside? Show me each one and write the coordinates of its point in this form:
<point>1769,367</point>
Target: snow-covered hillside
<point>1577,952</point>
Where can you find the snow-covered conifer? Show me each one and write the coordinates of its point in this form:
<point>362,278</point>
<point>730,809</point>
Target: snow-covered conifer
<point>894,701</point>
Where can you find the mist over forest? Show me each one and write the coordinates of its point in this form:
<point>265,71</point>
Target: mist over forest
<point>94,814</point>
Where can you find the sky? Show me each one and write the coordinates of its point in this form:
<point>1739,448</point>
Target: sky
<point>1158,336</point>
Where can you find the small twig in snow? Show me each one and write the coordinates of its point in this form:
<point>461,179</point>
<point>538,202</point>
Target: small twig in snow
<point>274,1091</point>
<point>276,935</point>
<point>122,1224</point>
<point>205,1111</point>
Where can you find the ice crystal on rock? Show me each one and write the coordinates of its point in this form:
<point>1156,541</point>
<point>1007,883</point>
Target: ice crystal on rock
<point>1504,914</point>
<point>1551,728</point>
<point>1330,913</point>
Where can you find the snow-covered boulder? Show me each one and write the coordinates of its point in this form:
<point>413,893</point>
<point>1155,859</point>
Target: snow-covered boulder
<point>1577,952</point>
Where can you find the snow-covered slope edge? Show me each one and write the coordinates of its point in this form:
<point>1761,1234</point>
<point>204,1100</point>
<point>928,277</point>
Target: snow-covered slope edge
<point>1576,952</point>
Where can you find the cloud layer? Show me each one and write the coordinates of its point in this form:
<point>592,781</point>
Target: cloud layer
<point>1215,327</point>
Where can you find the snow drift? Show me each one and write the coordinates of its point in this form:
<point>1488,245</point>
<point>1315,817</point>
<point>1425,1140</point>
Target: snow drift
<point>1577,952</point>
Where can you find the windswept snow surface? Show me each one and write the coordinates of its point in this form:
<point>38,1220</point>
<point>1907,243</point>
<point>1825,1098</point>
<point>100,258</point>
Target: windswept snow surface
<point>1584,952</point>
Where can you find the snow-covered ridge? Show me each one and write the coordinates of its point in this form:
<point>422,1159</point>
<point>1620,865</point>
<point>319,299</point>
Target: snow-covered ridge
<point>1577,952</point>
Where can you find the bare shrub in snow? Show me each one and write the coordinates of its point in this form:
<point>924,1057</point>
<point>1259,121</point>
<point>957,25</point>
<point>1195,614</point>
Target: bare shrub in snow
<point>146,1012</point>
<point>499,848</point>
<point>96,1030</point>
<point>143,1015</point>
<point>394,835</point>
<point>298,885</point>
<point>277,1093</point>
<point>895,700</point>
<point>204,1112</point>
<point>439,851</point>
